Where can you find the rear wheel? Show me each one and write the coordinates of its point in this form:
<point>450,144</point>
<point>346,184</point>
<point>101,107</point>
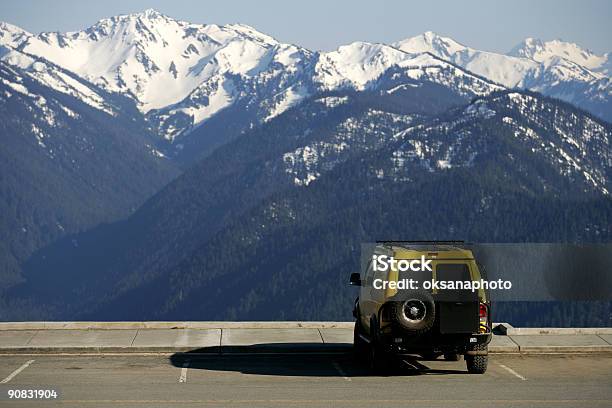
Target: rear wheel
<point>477,364</point>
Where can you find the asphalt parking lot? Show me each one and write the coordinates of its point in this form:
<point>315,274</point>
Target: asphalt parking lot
<point>306,380</point>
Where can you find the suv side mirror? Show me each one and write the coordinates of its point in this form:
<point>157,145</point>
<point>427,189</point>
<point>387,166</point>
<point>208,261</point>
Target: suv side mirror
<point>355,279</point>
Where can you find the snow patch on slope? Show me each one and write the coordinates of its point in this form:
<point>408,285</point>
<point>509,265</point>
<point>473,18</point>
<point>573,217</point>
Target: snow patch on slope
<point>291,97</point>
<point>57,79</point>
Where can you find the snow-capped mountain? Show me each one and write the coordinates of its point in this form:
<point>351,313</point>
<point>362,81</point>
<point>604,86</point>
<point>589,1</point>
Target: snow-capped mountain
<point>155,59</point>
<point>160,62</point>
<point>511,69</point>
<point>267,78</point>
<point>180,75</point>
<point>541,51</point>
<point>362,66</point>
<point>554,68</point>
<point>508,71</point>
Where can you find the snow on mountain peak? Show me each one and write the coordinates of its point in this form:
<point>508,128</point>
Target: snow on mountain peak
<point>180,73</point>
<point>541,51</point>
<point>360,65</point>
<point>555,67</point>
<point>356,64</point>
<point>508,71</point>
<point>151,13</point>
<point>429,41</point>
<point>153,58</point>
<point>11,35</point>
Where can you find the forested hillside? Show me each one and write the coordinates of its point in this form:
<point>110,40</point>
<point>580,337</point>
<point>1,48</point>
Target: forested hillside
<point>270,225</point>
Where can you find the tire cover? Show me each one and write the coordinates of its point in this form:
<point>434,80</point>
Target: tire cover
<point>416,314</point>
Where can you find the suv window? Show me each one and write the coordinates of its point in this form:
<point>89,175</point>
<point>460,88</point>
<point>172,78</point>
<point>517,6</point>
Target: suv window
<point>368,278</point>
<point>378,294</point>
<point>454,272</point>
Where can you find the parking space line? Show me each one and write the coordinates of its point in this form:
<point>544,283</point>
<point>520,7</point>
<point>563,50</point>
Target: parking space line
<point>183,376</point>
<point>511,371</point>
<point>341,371</point>
<point>17,371</point>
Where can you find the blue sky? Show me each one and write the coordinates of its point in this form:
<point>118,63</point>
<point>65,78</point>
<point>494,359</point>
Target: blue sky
<point>325,24</point>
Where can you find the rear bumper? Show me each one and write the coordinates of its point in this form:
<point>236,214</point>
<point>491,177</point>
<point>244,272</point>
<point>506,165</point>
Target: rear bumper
<point>461,343</point>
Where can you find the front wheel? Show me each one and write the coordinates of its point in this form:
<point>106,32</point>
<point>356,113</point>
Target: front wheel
<point>360,347</point>
<point>477,364</point>
<point>380,360</point>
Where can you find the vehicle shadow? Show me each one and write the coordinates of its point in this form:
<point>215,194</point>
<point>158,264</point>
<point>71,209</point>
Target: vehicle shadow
<point>306,360</point>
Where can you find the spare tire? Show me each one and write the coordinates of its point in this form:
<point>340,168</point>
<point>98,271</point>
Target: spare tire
<point>416,314</point>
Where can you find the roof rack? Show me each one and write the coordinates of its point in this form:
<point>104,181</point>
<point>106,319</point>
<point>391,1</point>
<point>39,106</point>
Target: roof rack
<point>441,245</point>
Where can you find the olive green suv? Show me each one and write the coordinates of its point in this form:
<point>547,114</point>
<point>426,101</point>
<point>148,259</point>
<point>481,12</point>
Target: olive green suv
<point>415,298</point>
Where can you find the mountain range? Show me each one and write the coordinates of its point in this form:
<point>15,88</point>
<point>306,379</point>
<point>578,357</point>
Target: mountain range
<point>158,169</point>
<point>180,75</point>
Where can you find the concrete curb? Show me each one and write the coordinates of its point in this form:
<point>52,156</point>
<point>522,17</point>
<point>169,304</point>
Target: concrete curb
<point>564,349</point>
<point>509,330</point>
<point>218,338</point>
<point>106,350</point>
<point>264,349</point>
<point>502,328</point>
<point>565,331</point>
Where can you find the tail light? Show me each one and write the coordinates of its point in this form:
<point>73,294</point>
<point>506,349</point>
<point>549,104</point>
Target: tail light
<point>483,312</point>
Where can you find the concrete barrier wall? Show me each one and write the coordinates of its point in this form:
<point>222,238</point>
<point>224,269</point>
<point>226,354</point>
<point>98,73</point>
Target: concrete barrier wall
<point>171,325</point>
